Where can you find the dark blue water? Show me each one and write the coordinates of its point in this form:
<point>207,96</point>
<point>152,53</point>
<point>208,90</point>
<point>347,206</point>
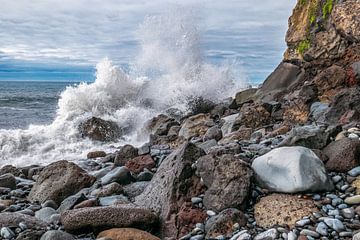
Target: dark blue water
<point>28,102</point>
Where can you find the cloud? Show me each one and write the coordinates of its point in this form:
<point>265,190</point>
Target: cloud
<point>82,32</point>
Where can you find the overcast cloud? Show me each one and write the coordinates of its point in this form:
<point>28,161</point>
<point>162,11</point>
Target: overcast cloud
<point>81,32</point>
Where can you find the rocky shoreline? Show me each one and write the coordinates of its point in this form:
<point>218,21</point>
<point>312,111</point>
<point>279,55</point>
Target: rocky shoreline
<point>278,162</point>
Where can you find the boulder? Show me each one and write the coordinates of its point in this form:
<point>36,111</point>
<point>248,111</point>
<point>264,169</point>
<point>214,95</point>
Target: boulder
<point>98,218</point>
<point>213,133</point>
<point>346,19</point>
<point>200,105</point>
<point>100,130</point>
<point>329,80</point>
<point>241,134</point>
<point>120,175</point>
<point>8,181</point>
<point>126,153</point>
<point>284,77</point>
<point>58,181</point>
<point>195,126</point>
<point>12,170</point>
<point>253,116</point>
<point>173,184</point>
<point>245,96</point>
<point>12,220</point>
<point>57,235</point>
<point>229,124</point>
<point>343,155</point>
<point>126,234</point>
<point>291,170</point>
<point>224,175</point>
<point>309,136</point>
<point>282,209</point>
<point>137,165</point>
<point>223,223</point>
<point>96,154</point>
<point>344,108</point>
<point>189,216</point>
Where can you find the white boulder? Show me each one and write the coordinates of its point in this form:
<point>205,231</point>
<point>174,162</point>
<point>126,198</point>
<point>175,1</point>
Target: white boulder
<point>291,170</point>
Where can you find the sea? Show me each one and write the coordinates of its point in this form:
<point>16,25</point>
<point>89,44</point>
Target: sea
<point>39,117</point>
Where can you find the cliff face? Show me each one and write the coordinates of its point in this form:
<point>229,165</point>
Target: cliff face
<point>322,60</point>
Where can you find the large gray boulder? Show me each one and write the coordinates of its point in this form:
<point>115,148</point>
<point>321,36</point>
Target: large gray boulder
<point>227,179</point>
<point>58,181</point>
<point>173,184</point>
<point>12,220</point>
<point>291,170</point>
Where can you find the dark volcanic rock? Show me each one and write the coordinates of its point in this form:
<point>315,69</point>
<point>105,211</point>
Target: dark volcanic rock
<point>173,184</point>
<point>223,223</point>
<point>343,155</point>
<point>227,179</point>
<point>58,181</point>
<point>96,154</point>
<point>345,107</point>
<point>12,219</point>
<point>100,130</point>
<point>126,153</point>
<point>253,116</point>
<point>98,218</point>
<point>8,181</point>
<point>285,76</point>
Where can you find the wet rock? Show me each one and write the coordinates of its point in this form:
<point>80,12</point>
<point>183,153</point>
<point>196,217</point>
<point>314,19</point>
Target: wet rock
<point>8,181</point>
<point>291,170</point>
<point>195,126</point>
<point>224,175</point>
<point>56,235</point>
<point>200,105</point>
<point>69,202</point>
<point>13,219</point>
<point>172,184</point>
<point>108,190</point>
<point>159,125</point>
<point>87,203</point>
<point>245,96</point>
<point>137,165</point>
<point>126,153</point>
<point>96,154</point>
<point>282,209</point>
<point>343,155</point>
<point>100,130</point>
<point>113,200</point>
<point>58,181</point>
<point>12,170</point>
<point>108,217</point>
<point>229,124</point>
<point>222,224</point>
<point>120,175</point>
<point>126,234</point>
<point>6,233</point>
<point>189,216</point>
<point>270,234</point>
<point>45,214</point>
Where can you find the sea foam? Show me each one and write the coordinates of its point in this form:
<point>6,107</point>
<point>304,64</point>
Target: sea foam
<point>168,71</point>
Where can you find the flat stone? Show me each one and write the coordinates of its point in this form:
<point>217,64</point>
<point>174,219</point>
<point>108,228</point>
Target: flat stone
<point>120,175</point>
<point>57,235</point>
<point>270,234</point>
<point>282,209</point>
<point>353,200</point>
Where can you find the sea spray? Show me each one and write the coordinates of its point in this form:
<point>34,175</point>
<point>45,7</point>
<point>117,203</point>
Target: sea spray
<point>168,72</point>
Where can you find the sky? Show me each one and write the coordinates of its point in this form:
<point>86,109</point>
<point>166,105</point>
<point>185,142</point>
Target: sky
<point>64,39</point>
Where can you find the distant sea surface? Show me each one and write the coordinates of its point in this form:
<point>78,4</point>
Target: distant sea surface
<point>29,102</point>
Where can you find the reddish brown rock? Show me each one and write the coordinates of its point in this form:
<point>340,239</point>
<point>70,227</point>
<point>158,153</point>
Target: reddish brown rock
<point>126,234</point>
<point>241,134</point>
<point>87,203</point>
<point>329,80</point>
<point>195,126</point>
<point>188,217</point>
<point>137,165</point>
<point>253,116</point>
<point>343,155</point>
<point>223,223</point>
<point>108,190</point>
